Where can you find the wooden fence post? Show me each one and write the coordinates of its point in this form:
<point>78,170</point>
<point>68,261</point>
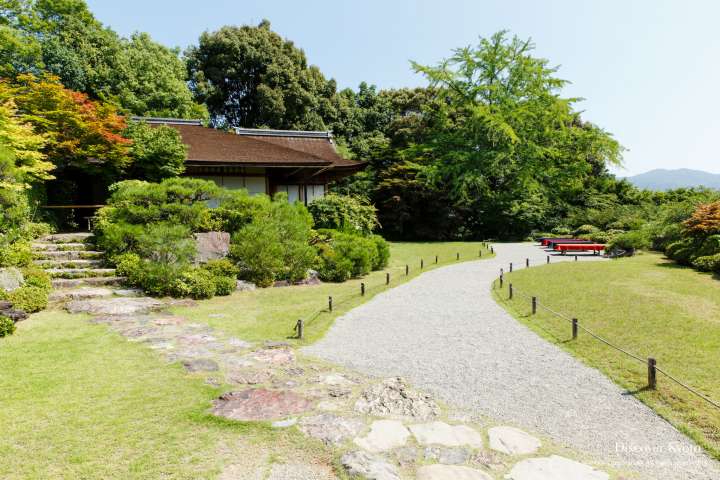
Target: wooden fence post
<point>362,288</point>
<point>527,263</point>
<point>534,305</point>
<point>387,278</point>
<point>501,279</point>
<point>492,249</point>
<point>330,304</point>
<point>576,258</point>
<point>299,327</point>
<point>407,270</point>
<point>422,264</point>
<point>574,328</point>
<point>458,256</point>
<point>510,268</point>
<point>510,290</point>
<point>548,259</point>
<point>652,374</point>
<point>436,259</point>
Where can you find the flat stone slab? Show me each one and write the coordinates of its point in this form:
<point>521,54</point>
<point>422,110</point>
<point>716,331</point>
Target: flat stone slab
<point>259,404</point>
<point>82,293</point>
<point>553,468</point>
<point>274,356</point>
<point>453,472</point>
<point>115,306</point>
<point>369,466</point>
<point>384,435</point>
<point>200,365</point>
<point>512,441</point>
<point>447,456</point>
<point>392,397</point>
<point>440,433</point>
<point>331,429</point>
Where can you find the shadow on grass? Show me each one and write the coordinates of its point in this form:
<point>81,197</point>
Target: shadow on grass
<point>637,390</point>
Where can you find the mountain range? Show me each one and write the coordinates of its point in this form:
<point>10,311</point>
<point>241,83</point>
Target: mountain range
<point>662,179</point>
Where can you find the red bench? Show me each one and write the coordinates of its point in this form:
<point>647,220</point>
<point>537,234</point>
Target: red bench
<point>596,248</point>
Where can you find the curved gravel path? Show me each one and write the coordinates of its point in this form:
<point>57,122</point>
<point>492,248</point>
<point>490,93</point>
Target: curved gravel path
<point>445,333</point>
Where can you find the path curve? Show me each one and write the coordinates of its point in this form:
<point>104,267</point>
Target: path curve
<point>445,333</point>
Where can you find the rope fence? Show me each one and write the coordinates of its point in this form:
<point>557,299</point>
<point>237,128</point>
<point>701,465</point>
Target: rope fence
<point>651,362</point>
<point>391,274</point>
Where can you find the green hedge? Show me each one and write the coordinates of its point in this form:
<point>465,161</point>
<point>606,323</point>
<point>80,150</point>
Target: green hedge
<point>342,255</point>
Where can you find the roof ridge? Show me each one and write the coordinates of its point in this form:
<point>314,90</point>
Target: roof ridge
<point>267,132</point>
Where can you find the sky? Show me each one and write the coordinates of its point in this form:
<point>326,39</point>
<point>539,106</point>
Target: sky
<point>648,70</point>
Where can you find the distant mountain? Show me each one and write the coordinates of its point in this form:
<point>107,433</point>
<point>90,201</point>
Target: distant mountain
<point>661,179</point>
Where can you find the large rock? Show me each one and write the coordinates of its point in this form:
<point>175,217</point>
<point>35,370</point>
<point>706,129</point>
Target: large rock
<point>11,279</point>
<point>393,397</point>
<point>211,246</point>
<point>115,306</point>
<point>440,433</point>
<point>259,404</point>
<point>331,429</point>
<point>384,435</point>
<point>512,441</point>
<point>371,467</point>
<point>554,468</point>
<point>453,472</point>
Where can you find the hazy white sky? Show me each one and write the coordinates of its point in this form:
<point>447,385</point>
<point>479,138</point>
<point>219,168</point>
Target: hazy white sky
<point>649,70</point>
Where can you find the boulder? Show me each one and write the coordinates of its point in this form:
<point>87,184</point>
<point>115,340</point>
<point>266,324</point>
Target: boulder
<point>393,397</point>
<point>369,466</point>
<point>11,279</point>
<point>243,286</point>
<point>211,246</point>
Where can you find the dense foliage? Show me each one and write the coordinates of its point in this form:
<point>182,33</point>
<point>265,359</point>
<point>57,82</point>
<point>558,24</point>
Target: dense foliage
<point>347,213</point>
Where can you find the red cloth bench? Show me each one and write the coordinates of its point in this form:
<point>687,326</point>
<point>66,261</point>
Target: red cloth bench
<point>596,248</point>
<point>546,240</point>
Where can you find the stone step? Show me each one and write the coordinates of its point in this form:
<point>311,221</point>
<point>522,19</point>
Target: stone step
<point>60,283</point>
<point>88,292</point>
<point>68,263</point>
<point>67,237</point>
<point>39,247</point>
<point>80,272</point>
<point>68,255</point>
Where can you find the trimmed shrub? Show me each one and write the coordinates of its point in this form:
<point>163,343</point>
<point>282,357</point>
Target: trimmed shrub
<point>7,326</point>
<point>196,283</point>
<point>630,241</point>
<point>345,213</point>
<point>342,255</point>
<point>708,263</point>
<point>681,251</point>
<point>586,230</point>
<point>35,277</point>
<point>222,267</point>
<point>383,252</point>
<point>16,254</point>
<point>331,265</point>
<point>224,285</point>
<point>27,298</point>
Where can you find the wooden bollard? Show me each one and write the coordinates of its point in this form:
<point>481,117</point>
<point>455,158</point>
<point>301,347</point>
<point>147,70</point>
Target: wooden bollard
<point>548,259</point>
<point>387,278</point>
<point>652,374</point>
<point>458,256</point>
<point>422,264</point>
<point>362,288</point>
<point>480,253</point>
<point>510,270</point>
<point>576,258</point>
<point>436,259</point>
<point>330,304</point>
<point>510,291</point>
<point>407,270</point>
<point>534,305</point>
<point>574,328</point>
<point>501,280</point>
<point>299,327</point>
<point>527,263</point>
<point>492,249</point>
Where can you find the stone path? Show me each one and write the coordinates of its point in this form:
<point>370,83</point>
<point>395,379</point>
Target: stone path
<point>381,429</point>
<point>444,333</point>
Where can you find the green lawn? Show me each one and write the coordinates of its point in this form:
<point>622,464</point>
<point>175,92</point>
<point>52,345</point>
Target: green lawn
<point>271,313</point>
<point>77,401</point>
<point>647,305</point>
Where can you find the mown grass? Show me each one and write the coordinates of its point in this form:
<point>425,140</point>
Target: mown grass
<point>77,401</point>
<point>648,306</point>
<point>271,313</point>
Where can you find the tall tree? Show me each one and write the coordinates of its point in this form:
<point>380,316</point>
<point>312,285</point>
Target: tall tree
<point>252,77</point>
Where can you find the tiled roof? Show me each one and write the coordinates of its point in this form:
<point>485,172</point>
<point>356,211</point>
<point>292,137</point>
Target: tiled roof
<point>256,147</point>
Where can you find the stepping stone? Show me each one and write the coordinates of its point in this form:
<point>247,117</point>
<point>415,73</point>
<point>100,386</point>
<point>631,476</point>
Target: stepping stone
<point>259,404</point>
<point>274,356</point>
<point>554,468</point>
<point>331,429</point>
<point>335,379</point>
<point>384,435</point>
<point>82,293</point>
<point>453,472</point>
<point>299,471</point>
<point>200,365</point>
<point>371,467</point>
<point>393,397</point>
<point>115,306</point>
<point>284,423</point>
<point>447,456</point>
<point>512,441</point>
<point>440,433</point>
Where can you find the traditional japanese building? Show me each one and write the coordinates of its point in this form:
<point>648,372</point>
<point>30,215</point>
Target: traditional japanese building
<point>300,163</point>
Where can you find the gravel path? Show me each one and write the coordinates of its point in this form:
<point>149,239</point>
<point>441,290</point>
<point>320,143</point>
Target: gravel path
<point>444,333</point>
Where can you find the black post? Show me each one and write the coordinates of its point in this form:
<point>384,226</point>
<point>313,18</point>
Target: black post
<point>422,264</point>
<point>534,305</point>
<point>576,258</point>
<point>436,259</point>
<point>510,268</point>
<point>574,328</point>
<point>501,280</point>
<point>387,278</point>
<point>480,253</point>
<point>548,259</point>
<point>510,290</point>
<point>407,270</point>
<point>330,304</point>
<point>652,374</point>
<point>362,288</point>
<point>527,263</point>
<point>492,249</point>
<point>458,256</point>
<point>299,328</point>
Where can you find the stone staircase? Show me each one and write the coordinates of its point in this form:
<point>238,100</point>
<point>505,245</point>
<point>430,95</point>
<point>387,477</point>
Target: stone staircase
<point>77,269</point>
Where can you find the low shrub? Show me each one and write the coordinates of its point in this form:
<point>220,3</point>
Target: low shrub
<point>708,263</point>
<point>27,298</point>
<point>224,285</point>
<point>196,283</point>
<point>630,241</point>
<point>342,255</point>
<point>561,230</point>
<point>7,326</point>
<point>345,213</point>
<point>383,252</point>
<point>681,251</point>
<point>15,254</point>
<point>586,230</point>
<point>35,277</point>
<point>222,267</point>
<point>331,265</point>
